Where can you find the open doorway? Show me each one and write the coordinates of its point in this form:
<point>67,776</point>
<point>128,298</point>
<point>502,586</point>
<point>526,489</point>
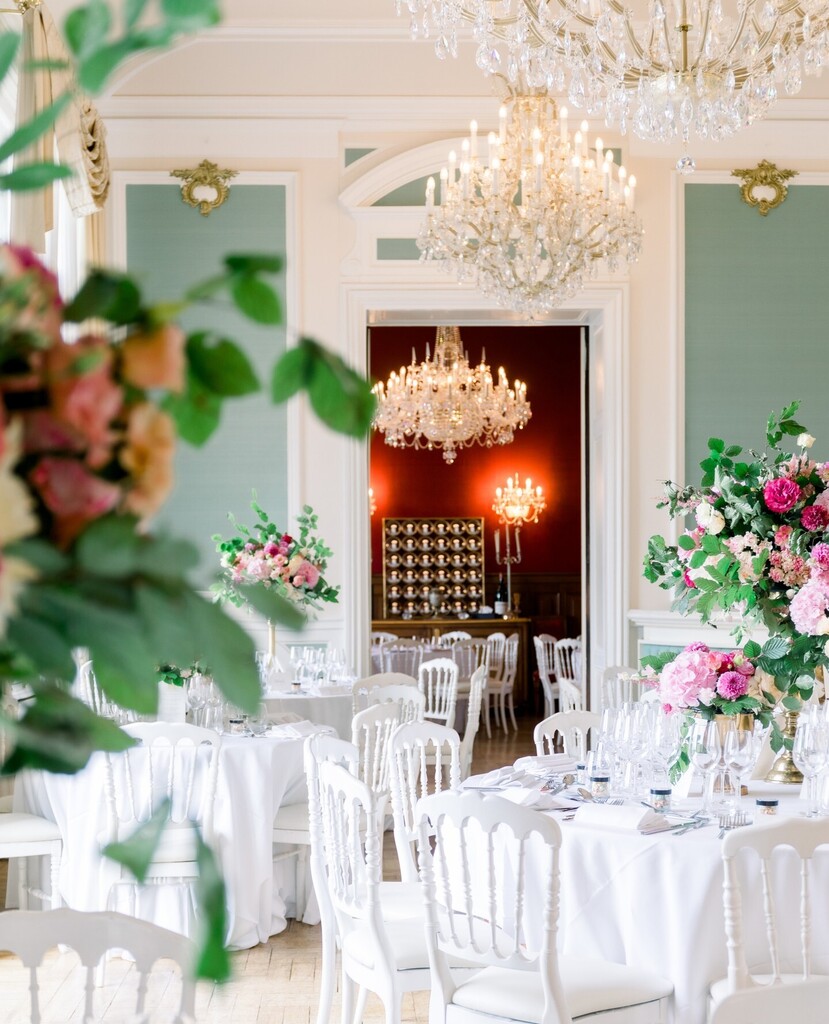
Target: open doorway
<point>418,486</point>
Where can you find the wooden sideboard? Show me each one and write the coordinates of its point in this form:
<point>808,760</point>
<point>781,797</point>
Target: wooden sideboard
<point>429,629</point>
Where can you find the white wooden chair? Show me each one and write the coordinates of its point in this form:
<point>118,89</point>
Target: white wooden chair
<point>30,936</point>
<point>28,835</point>
<point>371,731</point>
<point>473,719</point>
<point>378,953</point>
<point>175,762</point>
<point>469,655</point>
<point>379,637</point>
<point>578,730</point>
<point>507,686</point>
<point>570,697</point>
<point>361,687</point>
<point>496,649</point>
<point>437,680</point>
<point>425,759</point>
<point>401,656</point>
<point>410,701</point>
<point>771,843</point>
<point>545,645</point>
<point>620,685</point>
<point>454,636</point>
<point>804,1001</point>
<point>469,896</point>
<point>567,661</point>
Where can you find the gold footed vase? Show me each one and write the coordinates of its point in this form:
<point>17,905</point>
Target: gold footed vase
<point>784,769</point>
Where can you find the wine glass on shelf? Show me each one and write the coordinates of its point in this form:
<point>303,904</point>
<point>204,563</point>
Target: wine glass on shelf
<point>810,753</point>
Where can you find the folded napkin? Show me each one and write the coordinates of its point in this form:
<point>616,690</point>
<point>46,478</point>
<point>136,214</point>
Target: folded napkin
<point>630,819</point>
<point>547,764</point>
<point>499,778</point>
<point>294,730</point>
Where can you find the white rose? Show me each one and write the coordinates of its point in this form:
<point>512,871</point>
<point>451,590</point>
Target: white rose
<point>805,440</point>
<point>822,627</point>
<point>703,514</point>
<point>826,648</point>
<point>706,696</point>
<point>716,522</point>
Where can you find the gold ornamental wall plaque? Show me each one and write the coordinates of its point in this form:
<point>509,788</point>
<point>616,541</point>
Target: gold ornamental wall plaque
<point>764,186</point>
<point>204,187</point>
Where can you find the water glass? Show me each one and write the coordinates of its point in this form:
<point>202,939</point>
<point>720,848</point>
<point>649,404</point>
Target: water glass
<point>810,753</point>
<point>705,752</point>
<point>739,754</point>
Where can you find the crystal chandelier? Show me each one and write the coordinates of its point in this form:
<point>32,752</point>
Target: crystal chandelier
<point>538,215</point>
<point>447,404</point>
<point>665,69</point>
<point>516,505</point>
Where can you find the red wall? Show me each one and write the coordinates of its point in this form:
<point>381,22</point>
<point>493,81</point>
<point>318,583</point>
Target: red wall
<point>407,482</point>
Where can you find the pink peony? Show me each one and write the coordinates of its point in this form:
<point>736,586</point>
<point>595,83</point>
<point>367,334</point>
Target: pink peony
<point>781,494</point>
<point>809,607</point>
<point>691,672</point>
<point>820,557</point>
<point>732,685</point>
<point>814,518</point>
<point>697,645</point>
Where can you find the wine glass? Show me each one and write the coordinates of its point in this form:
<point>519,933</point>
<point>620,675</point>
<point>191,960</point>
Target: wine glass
<point>196,694</point>
<point>739,752</point>
<point>704,751</point>
<point>664,741</point>
<point>810,753</point>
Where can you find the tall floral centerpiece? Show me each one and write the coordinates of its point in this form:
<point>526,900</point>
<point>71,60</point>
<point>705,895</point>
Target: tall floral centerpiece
<point>754,551</point>
<point>291,566</point>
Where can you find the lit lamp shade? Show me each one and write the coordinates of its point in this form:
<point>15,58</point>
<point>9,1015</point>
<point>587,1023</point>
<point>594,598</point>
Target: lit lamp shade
<point>516,505</point>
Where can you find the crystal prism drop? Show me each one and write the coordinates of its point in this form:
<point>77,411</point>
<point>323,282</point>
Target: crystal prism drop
<point>686,164</point>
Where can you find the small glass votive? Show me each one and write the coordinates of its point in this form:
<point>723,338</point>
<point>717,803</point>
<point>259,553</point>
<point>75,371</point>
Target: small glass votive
<point>766,805</point>
<point>296,687</point>
<point>599,786</point>
<point>581,773</point>
<point>661,799</point>
<point>236,726</point>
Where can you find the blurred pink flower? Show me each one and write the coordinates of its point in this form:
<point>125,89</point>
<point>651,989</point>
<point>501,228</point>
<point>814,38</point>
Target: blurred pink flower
<point>73,494</point>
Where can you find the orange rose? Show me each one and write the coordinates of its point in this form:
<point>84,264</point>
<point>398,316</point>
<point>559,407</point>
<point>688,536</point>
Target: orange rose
<point>156,359</point>
<point>148,458</point>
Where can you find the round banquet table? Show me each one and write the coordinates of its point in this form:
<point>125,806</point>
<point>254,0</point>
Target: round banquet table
<point>255,777</point>
<point>330,706</point>
<point>655,902</point>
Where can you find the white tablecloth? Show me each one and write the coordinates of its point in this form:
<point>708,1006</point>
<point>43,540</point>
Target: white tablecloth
<point>655,902</point>
<point>331,709</point>
<point>255,777</point>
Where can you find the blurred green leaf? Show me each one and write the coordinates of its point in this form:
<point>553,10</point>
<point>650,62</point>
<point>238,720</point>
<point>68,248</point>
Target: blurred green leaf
<point>273,605</point>
<point>29,132</point>
<point>213,961</point>
<point>94,70</point>
<point>166,558</point>
<point>133,9</point>
<point>136,853</point>
<point>109,546</point>
<point>33,176</point>
<point>41,641</point>
<point>226,648</point>
<point>86,28</point>
<point>39,553</point>
<point>58,733</point>
<point>256,299</point>
<point>108,295</point>
<point>191,14</point>
<point>257,263</point>
<point>341,398</point>
<point>221,365</point>
<point>9,45</point>
<point>196,411</point>
<point>163,618</point>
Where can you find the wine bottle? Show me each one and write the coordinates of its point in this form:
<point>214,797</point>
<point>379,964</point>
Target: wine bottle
<point>501,597</point>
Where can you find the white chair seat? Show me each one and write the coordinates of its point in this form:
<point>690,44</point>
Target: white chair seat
<point>292,818</point>
<point>176,846</point>
<point>6,803</point>
<point>26,828</point>
<point>590,986</point>
<point>407,946</point>
<point>720,989</point>
<point>402,901</point>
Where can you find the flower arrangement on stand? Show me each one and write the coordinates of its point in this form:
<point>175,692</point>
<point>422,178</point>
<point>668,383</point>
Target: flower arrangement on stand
<point>291,566</point>
<point>756,554</point>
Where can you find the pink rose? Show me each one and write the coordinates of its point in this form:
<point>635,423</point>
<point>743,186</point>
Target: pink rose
<point>271,550</point>
<point>814,518</point>
<point>820,556</point>
<point>73,495</point>
<point>781,494</point>
<point>732,685</point>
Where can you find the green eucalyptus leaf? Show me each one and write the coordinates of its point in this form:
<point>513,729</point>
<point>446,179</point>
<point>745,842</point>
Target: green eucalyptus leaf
<point>292,373</point>
<point>33,176</point>
<point>109,546</point>
<point>32,130</point>
<point>58,733</point>
<point>257,263</point>
<point>86,28</point>
<point>40,554</point>
<point>196,411</point>
<point>791,703</point>
<point>213,962</point>
<point>221,365</point>
<point>94,70</point>
<point>107,295</point>
<point>256,299</point>
<point>136,853</point>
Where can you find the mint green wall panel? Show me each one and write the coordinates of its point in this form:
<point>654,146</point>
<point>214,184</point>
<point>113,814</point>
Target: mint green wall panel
<point>413,193</point>
<point>397,249</point>
<point>352,155</point>
<point>170,246</point>
<point>755,316</point>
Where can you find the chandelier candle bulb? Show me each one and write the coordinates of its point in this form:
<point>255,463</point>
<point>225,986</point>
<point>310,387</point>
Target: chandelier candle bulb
<point>562,121</point>
<point>430,193</point>
<point>584,129</point>
<point>599,152</point>
<point>453,159</point>
<point>473,140</point>
<point>576,174</point>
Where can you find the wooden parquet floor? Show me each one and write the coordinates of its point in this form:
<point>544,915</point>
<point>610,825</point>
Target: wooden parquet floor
<point>273,983</point>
